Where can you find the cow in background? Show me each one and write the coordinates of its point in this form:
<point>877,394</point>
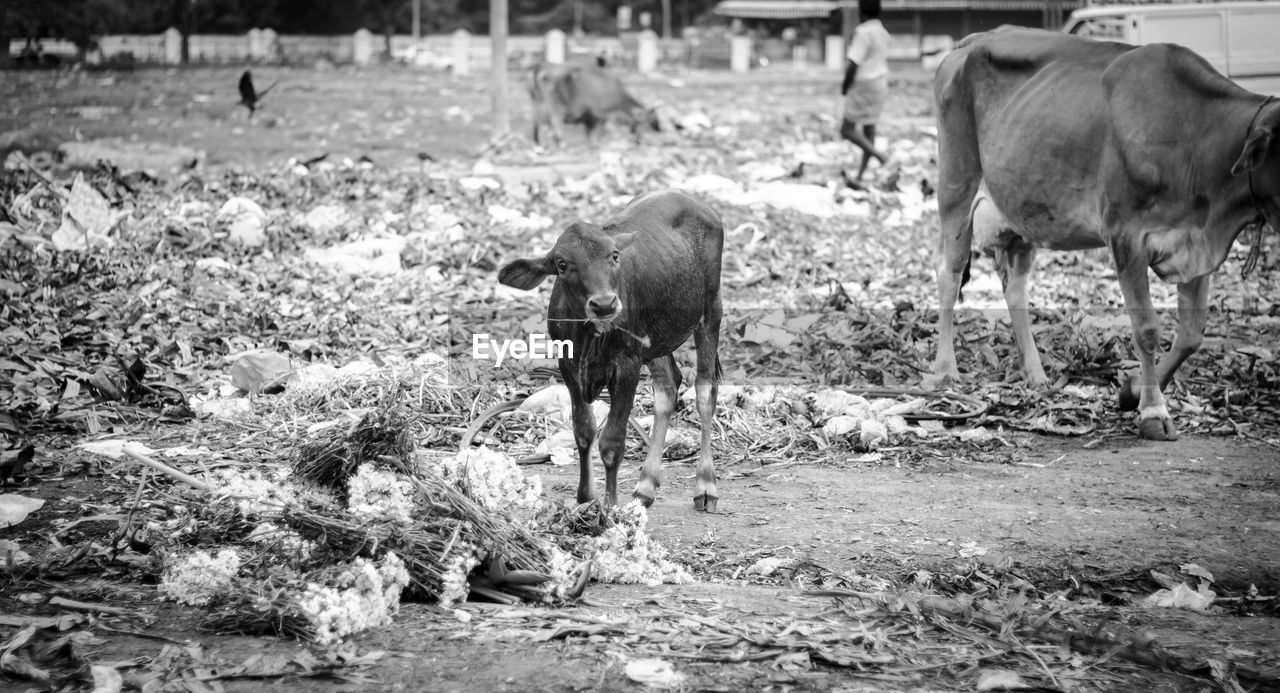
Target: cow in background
<point>1047,140</point>
<point>582,94</point>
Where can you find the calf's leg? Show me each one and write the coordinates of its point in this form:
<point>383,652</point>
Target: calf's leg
<point>1154,422</point>
<point>707,342</point>
<point>613,439</point>
<point>665,379</point>
<point>1017,263</point>
<point>584,433</point>
<point>1193,309</point>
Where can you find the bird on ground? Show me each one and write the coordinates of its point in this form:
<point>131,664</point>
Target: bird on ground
<point>249,97</point>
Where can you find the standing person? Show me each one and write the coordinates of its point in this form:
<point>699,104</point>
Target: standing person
<point>866,86</point>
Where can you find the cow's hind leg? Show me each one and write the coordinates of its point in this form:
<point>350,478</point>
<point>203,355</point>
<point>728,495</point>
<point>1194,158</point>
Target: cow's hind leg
<point>666,384</point>
<point>1016,267</point>
<point>707,341</point>
<point>1193,304</point>
<point>955,242</point>
<point>1154,422</point>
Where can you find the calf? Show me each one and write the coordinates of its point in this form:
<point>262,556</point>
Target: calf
<point>1054,141</point>
<point>629,294</point>
<point>585,94</point>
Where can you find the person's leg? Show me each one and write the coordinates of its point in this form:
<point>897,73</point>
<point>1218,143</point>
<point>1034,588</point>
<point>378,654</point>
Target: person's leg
<point>854,133</point>
<point>868,131</point>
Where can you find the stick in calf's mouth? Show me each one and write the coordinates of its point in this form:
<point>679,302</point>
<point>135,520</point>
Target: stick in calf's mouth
<point>629,294</point>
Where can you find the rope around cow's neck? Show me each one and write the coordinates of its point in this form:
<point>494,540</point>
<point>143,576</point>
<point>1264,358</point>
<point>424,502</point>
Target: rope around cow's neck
<point>643,341</point>
<point>1260,221</point>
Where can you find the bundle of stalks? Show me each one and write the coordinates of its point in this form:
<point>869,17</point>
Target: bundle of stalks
<point>426,546</point>
<point>383,437</point>
<point>266,607</point>
<point>298,550</point>
<point>422,385</point>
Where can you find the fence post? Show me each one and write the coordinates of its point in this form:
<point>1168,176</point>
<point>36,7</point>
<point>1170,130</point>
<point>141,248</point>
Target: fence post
<point>256,52</point>
<point>799,57</point>
<point>362,48</point>
<point>740,53</point>
<point>270,45</point>
<point>835,52</point>
<point>172,46</point>
<point>647,51</point>
<point>461,52</point>
<point>555,47</point>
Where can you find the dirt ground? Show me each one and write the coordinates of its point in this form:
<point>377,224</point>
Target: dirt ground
<point>1087,522</point>
<point>1083,519</point>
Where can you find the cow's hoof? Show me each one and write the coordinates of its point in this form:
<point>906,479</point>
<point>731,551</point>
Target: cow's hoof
<point>646,501</point>
<point>1127,398</point>
<point>706,503</point>
<point>1157,429</point>
<point>941,376</point>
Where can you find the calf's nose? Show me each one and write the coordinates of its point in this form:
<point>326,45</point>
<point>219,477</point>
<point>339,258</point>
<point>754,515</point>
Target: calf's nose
<point>604,305</point>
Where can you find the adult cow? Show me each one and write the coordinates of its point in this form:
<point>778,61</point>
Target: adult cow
<point>1053,141</point>
<point>582,94</point>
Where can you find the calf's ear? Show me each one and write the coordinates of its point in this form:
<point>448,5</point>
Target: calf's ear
<point>1254,152</point>
<point>623,240</point>
<point>526,273</point>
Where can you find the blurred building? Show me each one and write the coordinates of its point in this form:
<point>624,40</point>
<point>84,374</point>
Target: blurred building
<point>954,18</point>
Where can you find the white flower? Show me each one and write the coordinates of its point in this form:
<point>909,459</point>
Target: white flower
<point>561,569</point>
<point>626,553</point>
<point>284,539</point>
<point>492,479</point>
<point>251,491</point>
<point>367,595</point>
<point>465,559</point>
<point>196,578</point>
<point>378,494</point>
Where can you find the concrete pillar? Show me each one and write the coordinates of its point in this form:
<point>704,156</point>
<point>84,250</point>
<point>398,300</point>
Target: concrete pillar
<point>461,52</point>
<point>270,45</point>
<point>799,57</point>
<point>647,51</point>
<point>362,48</point>
<point>172,46</point>
<point>555,47</point>
<point>257,50</point>
<point>835,52</point>
<point>740,53</point>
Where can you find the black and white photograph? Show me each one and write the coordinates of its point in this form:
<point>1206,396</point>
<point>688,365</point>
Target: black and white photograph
<point>639,345</point>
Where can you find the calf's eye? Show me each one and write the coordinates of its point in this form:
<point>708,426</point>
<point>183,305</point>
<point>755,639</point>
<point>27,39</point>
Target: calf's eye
<point>562,266</point>
<point>615,256</point>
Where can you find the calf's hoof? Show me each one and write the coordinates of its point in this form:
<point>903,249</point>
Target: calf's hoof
<point>1157,429</point>
<point>1128,396</point>
<point>646,501</point>
<point>705,503</point>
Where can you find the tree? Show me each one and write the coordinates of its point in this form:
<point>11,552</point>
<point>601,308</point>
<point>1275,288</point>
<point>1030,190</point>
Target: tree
<point>386,15</point>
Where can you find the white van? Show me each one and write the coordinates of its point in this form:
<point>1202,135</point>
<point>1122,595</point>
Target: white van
<point>1240,39</point>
